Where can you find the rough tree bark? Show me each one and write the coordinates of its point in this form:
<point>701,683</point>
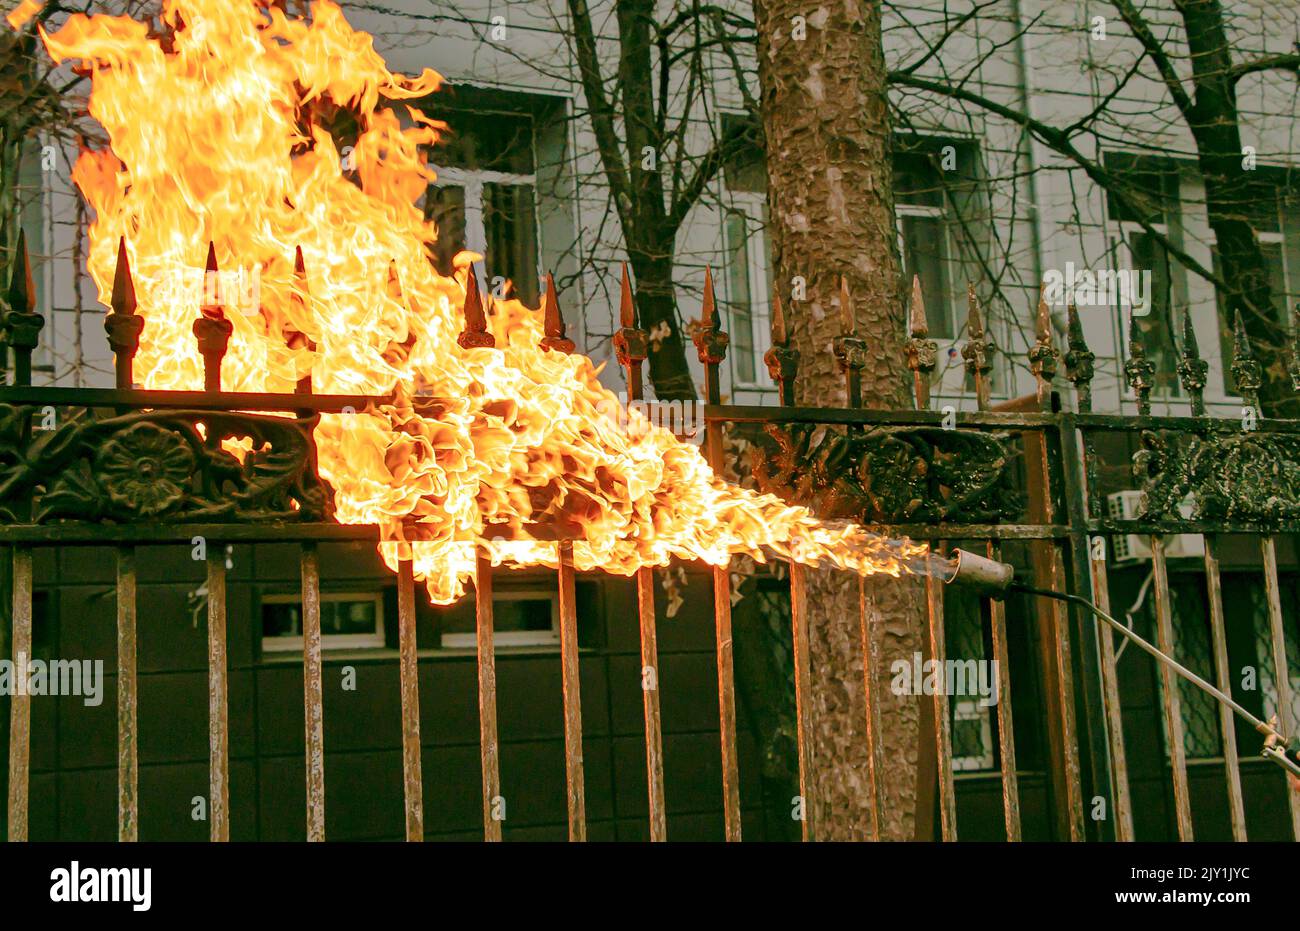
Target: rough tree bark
<point>823,81</point>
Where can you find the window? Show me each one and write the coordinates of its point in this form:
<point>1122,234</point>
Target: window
<point>923,243</point>
<point>941,208</point>
<point>1272,211</point>
<point>348,620</point>
<point>746,295</point>
<point>522,618</point>
<point>1151,196</point>
<point>485,195</point>
<point>972,714</point>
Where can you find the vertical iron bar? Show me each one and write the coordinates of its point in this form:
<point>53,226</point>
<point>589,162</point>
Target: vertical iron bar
<point>632,347</point>
<point>20,703</point>
<point>802,687</point>
<point>645,603</point>
<point>1111,702</point>
<point>409,675</point>
<point>726,701</point>
<point>1065,696</point>
<point>573,772</point>
<point>1223,679</point>
<point>128,815</point>
<point>1006,728</point>
<point>870,686</point>
<point>1169,683</point>
<point>1277,631</point>
<point>493,813</point>
<point>711,343</point>
<point>218,721</point>
<point>934,590</point>
<point>314,712</point>
<point>782,363</point>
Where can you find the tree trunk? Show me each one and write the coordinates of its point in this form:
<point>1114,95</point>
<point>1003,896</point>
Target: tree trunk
<point>830,184</point>
<point>1229,194</point>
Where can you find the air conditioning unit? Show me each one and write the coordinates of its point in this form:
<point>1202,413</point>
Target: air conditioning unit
<point>1134,547</point>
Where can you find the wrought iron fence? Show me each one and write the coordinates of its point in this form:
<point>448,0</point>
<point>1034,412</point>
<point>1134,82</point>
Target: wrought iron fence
<point>130,467</point>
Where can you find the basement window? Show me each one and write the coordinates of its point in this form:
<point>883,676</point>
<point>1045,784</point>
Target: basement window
<point>348,621</point>
<point>523,618</point>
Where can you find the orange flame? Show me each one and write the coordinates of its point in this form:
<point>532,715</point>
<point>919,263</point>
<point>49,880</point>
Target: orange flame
<point>207,143</point>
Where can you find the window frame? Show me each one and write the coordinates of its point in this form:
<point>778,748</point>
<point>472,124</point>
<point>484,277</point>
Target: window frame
<point>472,181</point>
<point>750,205</point>
<point>465,641</point>
<point>328,642</point>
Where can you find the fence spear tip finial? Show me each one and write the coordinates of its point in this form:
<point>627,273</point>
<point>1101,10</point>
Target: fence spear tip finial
<point>626,307</point>
<point>553,321</point>
<point>1240,338</point>
<point>1043,322</point>
<point>394,282</point>
<point>1136,338</point>
<point>848,320</point>
<point>780,336</point>
<point>1074,328</point>
<point>123,299</point>
<point>475,335</point>
<point>1190,348</point>
<point>211,306</point>
<point>709,308</point>
<point>22,292</point>
<point>974,323</point>
<point>918,324</point>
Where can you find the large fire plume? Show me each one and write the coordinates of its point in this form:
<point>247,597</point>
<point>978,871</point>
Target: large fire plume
<point>211,140</point>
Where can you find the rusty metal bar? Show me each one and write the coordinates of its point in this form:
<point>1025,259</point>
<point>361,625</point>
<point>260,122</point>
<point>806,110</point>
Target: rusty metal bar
<point>1223,679</point>
<point>782,364</point>
<point>934,590</point>
<point>870,684</point>
<point>1006,729</point>
<point>573,772</point>
<point>711,345</point>
<point>1059,617</point>
<point>493,802</point>
<point>20,703</point>
<point>1111,701</point>
<point>726,701</point>
<point>645,603</point>
<point>631,345</point>
<point>1277,634</point>
<point>1169,686</point>
<point>218,720</point>
<point>128,814</point>
<point>802,692</point>
<point>313,699</point>
<point>409,675</point>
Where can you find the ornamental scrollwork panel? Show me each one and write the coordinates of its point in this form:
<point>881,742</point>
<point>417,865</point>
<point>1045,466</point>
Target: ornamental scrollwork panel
<point>151,465</point>
<point>1231,476</point>
<point>892,475</point>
